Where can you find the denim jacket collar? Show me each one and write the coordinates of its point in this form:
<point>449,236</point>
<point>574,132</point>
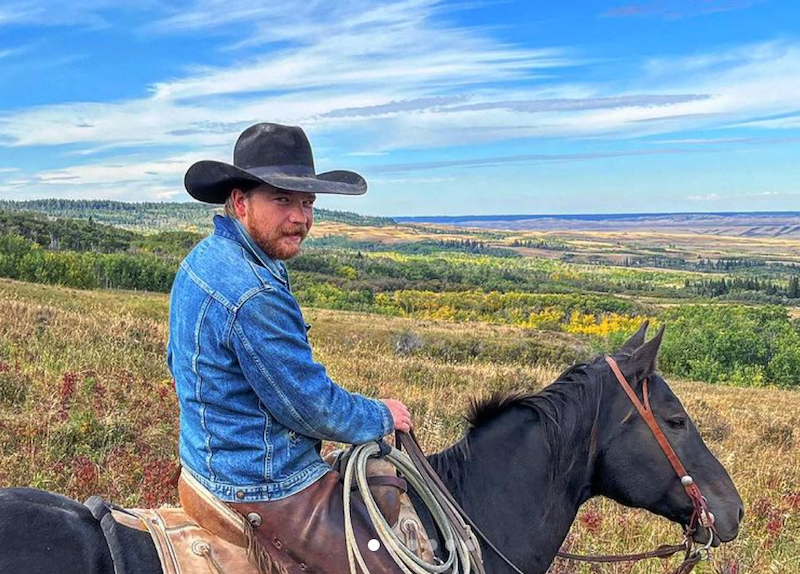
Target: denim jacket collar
<point>233,229</point>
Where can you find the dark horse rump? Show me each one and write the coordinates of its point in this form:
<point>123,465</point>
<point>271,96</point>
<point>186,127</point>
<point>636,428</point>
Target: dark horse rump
<point>47,533</point>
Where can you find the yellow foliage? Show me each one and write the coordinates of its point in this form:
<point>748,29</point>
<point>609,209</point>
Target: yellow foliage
<point>546,319</point>
<point>604,325</point>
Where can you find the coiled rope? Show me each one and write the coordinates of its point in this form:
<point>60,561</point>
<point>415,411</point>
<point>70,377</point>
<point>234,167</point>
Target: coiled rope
<point>458,558</point>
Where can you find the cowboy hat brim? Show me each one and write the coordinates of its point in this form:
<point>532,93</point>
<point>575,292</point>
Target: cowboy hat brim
<point>212,181</point>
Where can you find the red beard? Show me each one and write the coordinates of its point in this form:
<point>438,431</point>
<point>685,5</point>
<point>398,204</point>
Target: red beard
<point>277,246</point>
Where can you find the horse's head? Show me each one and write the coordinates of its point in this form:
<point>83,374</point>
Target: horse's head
<point>632,467</point>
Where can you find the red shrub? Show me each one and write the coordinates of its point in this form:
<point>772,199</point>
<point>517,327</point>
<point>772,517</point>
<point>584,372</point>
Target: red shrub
<point>591,520</point>
<point>158,482</point>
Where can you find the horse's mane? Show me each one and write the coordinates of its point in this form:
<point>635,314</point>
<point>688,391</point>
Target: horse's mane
<point>570,387</point>
<point>578,387</point>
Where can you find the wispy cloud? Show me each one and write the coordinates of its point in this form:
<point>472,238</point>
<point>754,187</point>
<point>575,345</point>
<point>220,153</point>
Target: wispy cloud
<point>522,158</point>
<point>7,53</point>
<point>366,77</point>
<point>703,198</point>
<point>729,141</point>
<point>393,107</point>
<point>12,15</point>
<point>678,9</point>
<point>412,180</point>
<point>84,14</point>
<point>716,197</point>
<point>121,172</point>
<point>450,104</point>
<point>791,121</point>
<point>395,45</point>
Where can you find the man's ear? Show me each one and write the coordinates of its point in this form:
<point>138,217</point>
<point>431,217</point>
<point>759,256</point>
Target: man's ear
<point>636,340</point>
<point>239,202</point>
<point>642,361</point>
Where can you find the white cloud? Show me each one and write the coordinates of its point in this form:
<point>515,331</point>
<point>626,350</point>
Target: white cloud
<point>365,78</point>
<point>119,172</point>
<point>411,180</point>
<point>678,9</point>
<point>70,13</point>
<point>708,197</point>
<point>784,123</point>
<point>713,197</point>
<point>368,57</point>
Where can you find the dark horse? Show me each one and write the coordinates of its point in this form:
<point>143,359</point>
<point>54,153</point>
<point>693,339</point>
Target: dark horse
<point>522,470</point>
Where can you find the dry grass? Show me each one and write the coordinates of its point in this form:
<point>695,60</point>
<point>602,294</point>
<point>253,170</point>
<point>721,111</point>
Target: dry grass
<point>87,407</point>
<point>687,242</point>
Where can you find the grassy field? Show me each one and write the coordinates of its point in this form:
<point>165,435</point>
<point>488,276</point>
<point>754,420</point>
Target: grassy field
<point>87,407</point>
<point>614,245</point>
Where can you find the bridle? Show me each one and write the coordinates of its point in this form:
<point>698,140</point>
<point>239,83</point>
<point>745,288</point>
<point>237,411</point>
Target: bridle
<point>701,515</point>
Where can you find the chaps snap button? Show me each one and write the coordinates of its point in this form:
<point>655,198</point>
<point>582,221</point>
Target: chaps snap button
<point>254,518</point>
<point>277,543</point>
<point>240,494</point>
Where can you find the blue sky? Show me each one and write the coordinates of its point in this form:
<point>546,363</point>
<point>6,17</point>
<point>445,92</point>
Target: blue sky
<point>475,107</point>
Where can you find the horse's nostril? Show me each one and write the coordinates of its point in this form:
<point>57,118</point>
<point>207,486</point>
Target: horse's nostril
<point>741,513</point>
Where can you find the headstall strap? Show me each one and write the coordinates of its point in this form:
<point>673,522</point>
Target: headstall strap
<point>701,513</point>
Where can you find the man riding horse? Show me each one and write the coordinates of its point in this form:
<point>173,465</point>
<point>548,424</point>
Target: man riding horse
<point>255,406</point>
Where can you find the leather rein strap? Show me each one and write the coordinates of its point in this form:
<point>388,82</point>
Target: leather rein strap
<point>455,513</point>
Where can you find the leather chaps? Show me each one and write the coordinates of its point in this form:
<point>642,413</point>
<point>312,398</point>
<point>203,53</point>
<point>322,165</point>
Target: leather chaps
<point>305,532</point>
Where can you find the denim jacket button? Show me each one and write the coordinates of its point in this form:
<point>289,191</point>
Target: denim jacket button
<point>240,494</point>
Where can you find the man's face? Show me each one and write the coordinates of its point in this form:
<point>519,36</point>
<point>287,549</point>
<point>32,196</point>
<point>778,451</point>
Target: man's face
<point>277,220</point>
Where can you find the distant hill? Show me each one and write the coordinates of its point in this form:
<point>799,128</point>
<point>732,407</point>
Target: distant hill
<point>753,224</point>
<point>157,216</point>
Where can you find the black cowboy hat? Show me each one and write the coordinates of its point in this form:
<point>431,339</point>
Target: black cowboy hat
<point>274,154</point>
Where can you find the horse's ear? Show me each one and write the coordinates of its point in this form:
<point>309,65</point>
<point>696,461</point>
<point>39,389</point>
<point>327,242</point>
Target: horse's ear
<point>643,360</point>
<point>636,341</point>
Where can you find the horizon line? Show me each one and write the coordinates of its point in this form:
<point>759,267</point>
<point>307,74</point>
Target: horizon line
<point>522,216</point>
<point>474,217</point>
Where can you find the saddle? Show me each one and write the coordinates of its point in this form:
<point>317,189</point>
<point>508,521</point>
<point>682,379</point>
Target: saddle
<point>225,543</point>
<point>205,535</point>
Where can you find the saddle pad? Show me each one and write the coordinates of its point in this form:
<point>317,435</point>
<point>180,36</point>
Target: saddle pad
<point>185,548</point>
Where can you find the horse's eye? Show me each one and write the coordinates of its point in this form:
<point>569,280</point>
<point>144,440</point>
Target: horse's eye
<point>676,422</point>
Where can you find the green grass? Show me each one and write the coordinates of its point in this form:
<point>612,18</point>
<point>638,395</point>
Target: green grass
<point>87,407</point>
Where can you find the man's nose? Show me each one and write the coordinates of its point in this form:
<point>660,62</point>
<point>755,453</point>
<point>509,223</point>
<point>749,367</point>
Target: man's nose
<point>298,214</point>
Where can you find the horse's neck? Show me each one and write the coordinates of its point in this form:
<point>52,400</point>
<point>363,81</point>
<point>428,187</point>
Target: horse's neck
<point>503,477</point>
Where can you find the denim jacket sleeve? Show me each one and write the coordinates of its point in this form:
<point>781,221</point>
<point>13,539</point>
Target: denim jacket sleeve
<point>270,342</point>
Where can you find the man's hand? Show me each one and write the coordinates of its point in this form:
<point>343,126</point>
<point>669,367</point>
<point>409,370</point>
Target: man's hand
<point>400,414</point>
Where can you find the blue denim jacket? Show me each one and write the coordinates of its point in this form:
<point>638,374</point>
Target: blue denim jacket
<point>254,404</point>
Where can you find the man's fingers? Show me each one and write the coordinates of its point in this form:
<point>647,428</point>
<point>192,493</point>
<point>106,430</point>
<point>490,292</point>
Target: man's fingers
<point>400,414</point>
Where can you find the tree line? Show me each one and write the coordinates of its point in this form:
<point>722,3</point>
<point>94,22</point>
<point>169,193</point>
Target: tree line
<point>158,215</point>
<point>725,286</point>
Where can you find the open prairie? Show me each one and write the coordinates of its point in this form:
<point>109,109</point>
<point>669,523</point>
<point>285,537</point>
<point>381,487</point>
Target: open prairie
<point>609,243</point>
<point>87,407</point>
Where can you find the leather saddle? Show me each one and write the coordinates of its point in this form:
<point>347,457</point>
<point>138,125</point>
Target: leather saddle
<point>205,535</point>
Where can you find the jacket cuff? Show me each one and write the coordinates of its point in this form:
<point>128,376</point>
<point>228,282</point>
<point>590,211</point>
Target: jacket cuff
<point>386,418</point>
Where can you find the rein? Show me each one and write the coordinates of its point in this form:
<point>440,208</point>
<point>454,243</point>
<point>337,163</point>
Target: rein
<point>701,516</point>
